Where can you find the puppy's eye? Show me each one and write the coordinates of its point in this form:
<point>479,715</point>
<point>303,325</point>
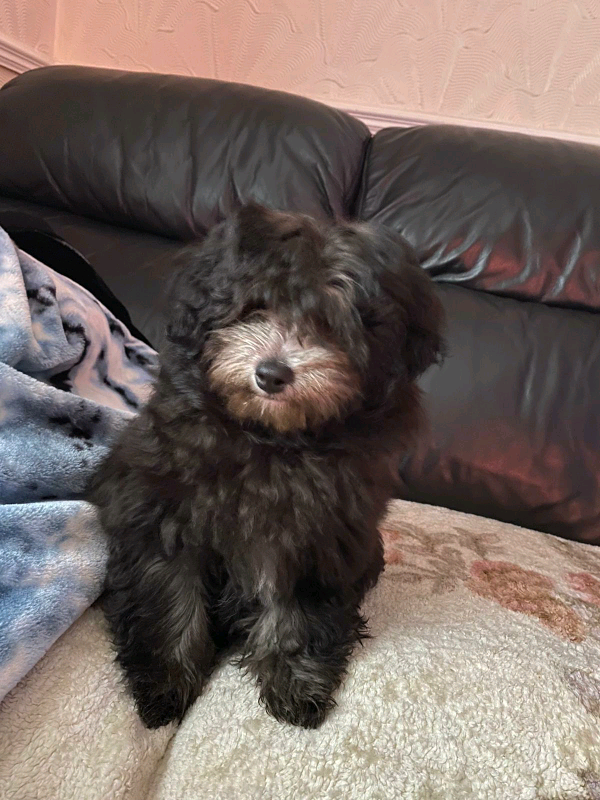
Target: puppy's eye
<point>346,286</point>
<point>253,308</point>
<point>370,319</point>
<point>293,234</point>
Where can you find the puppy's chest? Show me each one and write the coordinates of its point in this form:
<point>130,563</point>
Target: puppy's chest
<point>287,502</point>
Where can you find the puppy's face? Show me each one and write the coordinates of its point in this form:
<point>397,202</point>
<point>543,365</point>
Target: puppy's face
<point>293,323</point>
<point>285,374</point>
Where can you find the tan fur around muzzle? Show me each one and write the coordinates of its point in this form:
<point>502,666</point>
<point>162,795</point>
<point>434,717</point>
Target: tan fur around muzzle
<point>324,383</point>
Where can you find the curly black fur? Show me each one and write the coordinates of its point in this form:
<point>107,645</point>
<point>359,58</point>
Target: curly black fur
<point>238,520</point>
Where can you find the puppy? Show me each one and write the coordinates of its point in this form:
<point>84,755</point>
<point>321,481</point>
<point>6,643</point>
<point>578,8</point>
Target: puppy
<point>241,506</point>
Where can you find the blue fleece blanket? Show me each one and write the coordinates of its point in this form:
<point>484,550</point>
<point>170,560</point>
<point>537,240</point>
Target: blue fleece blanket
<point>70,376</point>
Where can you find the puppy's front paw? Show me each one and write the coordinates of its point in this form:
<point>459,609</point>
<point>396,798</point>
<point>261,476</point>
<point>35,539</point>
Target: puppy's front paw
<point>297,707</point>
<point>155,712</point>
<point>158,712</point>
<point>159,705</point>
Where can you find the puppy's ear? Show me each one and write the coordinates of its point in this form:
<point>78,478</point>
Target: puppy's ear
<point>424,344</point>
<point>198,299</point>
<point>262,228</point>
<point>417,306</point>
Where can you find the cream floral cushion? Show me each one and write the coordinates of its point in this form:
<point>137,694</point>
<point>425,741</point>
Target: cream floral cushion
<point>482,680</point>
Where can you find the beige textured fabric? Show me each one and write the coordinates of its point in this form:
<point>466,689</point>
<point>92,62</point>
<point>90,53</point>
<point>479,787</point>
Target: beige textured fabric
<point>67,730</point>
<point>482,681</point>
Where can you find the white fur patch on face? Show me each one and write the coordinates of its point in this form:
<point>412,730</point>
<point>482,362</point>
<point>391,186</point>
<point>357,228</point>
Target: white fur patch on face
<point>324,382</point>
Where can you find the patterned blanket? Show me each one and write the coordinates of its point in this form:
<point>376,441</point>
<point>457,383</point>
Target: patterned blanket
<point>70,376</point>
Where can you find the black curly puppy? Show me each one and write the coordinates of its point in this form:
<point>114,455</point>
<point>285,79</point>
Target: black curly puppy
<point>242,504</point>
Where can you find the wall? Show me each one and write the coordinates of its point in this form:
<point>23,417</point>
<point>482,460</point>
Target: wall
<point>27,33</point>
<point>524,63</point>
<point>30,23</point>
<point>533,63</point>
<point>6,75</point>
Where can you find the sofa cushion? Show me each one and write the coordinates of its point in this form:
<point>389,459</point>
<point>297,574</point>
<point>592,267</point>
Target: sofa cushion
<point>133,266</point>
<point>511,214</point>
<point>170,154</point>
<point>513,416</point>
<point>32,234</point>
<point>482,681</point>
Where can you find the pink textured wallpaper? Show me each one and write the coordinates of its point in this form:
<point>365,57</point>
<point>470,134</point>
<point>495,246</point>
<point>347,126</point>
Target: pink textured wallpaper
<point>29,23</point>
<point>533,63</point>
<point>5,75</point>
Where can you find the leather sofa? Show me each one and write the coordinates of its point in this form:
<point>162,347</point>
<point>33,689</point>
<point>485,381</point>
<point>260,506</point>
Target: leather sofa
<point>123,167</point>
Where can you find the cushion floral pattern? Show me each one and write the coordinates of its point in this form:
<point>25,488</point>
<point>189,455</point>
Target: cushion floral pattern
<point>481,681</point>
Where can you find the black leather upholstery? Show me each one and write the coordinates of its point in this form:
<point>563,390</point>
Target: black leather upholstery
<point>168,154</point>
<point>123,165</point>
<point>514,413</point>
<point>134,265</point>
<point>31,233</point>
<point>507,213</point>
<point>514,430</point>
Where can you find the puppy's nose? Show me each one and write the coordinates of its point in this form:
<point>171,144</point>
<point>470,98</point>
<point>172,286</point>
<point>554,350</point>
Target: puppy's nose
<point>273,376</point>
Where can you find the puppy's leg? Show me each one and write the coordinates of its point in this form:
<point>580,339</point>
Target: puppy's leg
<point>375,566</point>
<point>298,650</point>
<point>157,613</point>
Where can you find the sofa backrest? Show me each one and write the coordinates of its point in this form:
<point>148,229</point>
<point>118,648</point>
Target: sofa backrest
<point>172,155</point>
<point>514,431</point>
<point>511,214</point>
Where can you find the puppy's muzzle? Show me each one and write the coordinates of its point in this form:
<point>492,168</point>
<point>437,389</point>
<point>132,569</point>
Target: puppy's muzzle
<point>272,376</point>
<point>267,374</point>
